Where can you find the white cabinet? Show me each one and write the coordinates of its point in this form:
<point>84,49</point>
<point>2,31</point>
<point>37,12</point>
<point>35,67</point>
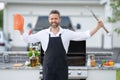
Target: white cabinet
<point>33,74</point>
<point>14,74</point>
<point>101,74</point>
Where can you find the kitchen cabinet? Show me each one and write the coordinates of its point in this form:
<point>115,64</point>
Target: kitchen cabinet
<point>28,73</point>
<point>17,74</point>
<point>101,74</point>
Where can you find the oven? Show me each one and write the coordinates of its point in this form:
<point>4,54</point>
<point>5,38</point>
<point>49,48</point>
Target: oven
<point>76,58</point>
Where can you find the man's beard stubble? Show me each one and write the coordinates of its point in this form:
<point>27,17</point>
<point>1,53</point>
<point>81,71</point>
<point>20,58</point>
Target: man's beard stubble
<point>54,26</point>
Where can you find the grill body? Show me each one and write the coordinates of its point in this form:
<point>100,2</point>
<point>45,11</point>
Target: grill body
<point>76,58</point>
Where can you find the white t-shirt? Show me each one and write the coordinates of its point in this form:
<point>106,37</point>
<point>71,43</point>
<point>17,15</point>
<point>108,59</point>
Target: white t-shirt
<point>66,35</point>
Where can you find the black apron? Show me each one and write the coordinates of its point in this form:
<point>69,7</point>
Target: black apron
<point>55,60</point>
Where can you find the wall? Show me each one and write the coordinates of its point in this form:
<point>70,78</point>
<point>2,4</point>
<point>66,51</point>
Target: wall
<point>77,12</point>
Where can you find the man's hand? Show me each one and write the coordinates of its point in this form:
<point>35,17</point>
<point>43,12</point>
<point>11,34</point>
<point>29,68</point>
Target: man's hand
<point>100,24</point>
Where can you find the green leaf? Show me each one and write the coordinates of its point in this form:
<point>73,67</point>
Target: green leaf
<point>1,18</point>
<point>117,30</point>
<point>115,5</point>
<point>30,53</point>
<point>37,53</point>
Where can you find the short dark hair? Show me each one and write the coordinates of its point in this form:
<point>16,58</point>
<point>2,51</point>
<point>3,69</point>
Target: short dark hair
<point>55,12</point>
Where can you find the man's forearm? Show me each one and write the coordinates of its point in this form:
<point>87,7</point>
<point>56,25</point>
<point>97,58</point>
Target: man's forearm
<point>95,29</point>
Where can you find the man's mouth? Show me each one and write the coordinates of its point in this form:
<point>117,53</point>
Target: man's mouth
<point>54,23</point>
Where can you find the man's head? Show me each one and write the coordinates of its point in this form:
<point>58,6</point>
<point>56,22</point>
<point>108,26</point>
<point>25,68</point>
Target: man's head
<point>54,18</point>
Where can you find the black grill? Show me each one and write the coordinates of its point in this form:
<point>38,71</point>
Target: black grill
<point>76,55</point>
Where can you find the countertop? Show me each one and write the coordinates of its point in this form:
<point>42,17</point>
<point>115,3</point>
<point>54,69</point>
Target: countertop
<point>7,66</point>
<point>102,68</point>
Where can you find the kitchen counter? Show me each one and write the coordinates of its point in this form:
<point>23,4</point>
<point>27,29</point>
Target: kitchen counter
<point>102,73</point>
<point>102,68</point>
<point>33,73</point>
<point>11,66</point>
<point>8,71</point>
<point>7,66</point>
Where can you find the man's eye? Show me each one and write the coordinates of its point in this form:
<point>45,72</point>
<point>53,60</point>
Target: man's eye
<point>51,18</point>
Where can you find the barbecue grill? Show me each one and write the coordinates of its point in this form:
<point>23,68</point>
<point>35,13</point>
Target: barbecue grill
<point>76,58</point>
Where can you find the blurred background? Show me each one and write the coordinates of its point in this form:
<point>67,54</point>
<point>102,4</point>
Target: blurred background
<point>76,16</point>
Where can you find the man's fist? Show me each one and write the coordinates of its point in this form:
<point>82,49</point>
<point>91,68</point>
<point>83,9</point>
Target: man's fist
<point>100,24</point>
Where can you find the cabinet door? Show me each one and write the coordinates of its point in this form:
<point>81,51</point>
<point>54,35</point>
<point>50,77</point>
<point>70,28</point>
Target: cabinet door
<point>101,75</point>
<point>19,74</point>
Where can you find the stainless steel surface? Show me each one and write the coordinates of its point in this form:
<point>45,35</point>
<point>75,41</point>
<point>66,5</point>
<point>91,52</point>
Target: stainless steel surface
<point>77,74</point>
<point>74,72</point>
<point>105,53</point>
<point>77,67</point>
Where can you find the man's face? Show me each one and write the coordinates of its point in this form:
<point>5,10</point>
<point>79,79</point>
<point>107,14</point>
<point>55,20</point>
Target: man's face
<point>54,20</point>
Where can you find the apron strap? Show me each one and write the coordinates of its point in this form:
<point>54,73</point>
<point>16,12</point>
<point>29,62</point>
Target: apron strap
<point>49,36</point>
<point>60,35</point>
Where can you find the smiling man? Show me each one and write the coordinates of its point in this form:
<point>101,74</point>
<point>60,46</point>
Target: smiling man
<point>55,42</point>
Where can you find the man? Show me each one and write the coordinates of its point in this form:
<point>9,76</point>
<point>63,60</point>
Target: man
<point>55,41</point>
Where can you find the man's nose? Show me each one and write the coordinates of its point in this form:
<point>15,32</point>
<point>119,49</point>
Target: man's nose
<point>54,20</point>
